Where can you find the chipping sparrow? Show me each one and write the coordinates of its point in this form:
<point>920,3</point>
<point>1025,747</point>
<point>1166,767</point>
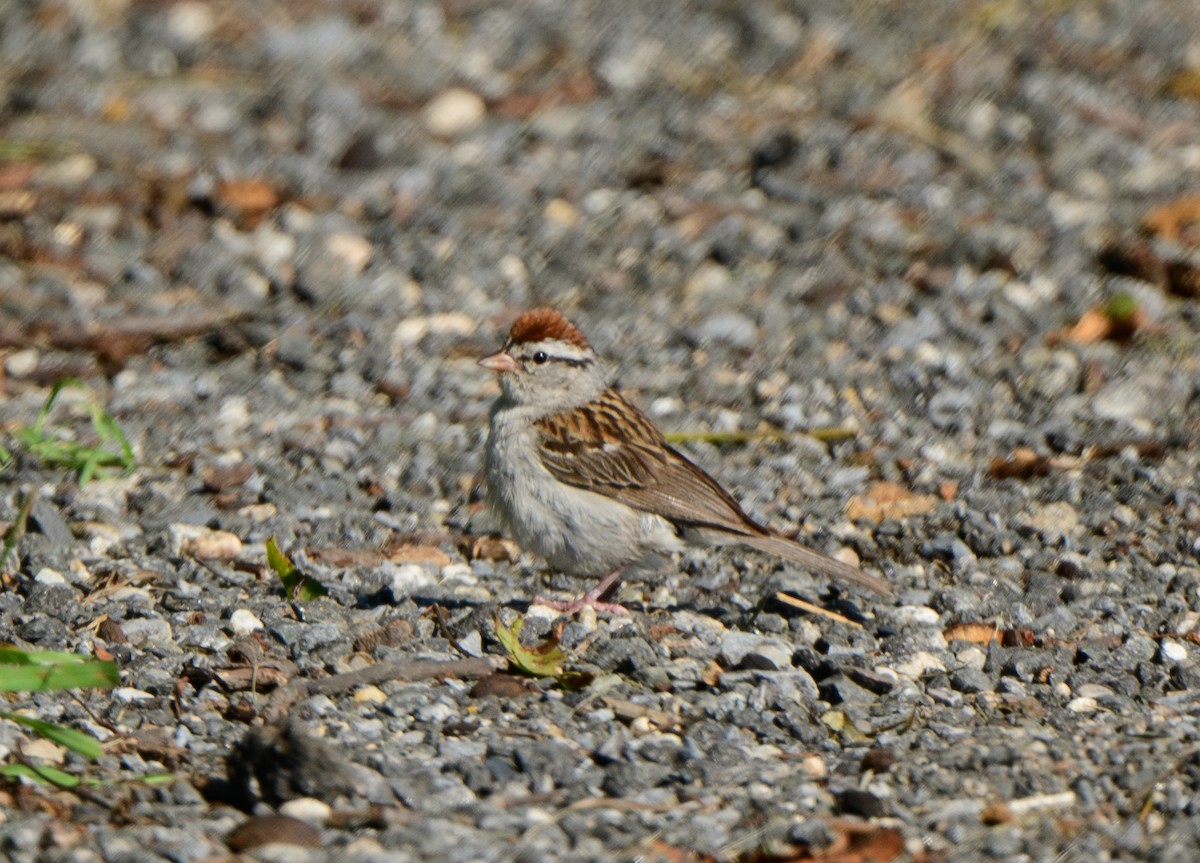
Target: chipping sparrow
<point>582,477</point>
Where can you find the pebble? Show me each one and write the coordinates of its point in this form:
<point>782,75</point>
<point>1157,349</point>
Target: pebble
<point>307,809</point>
<point>1083,704</point>
<point>147,630</point>
<point>745,258</point>
<point>1172,651</point>
<point>49,576</point>
<point>453,112</point>
<point>203,543</point>
<point>243,622</point>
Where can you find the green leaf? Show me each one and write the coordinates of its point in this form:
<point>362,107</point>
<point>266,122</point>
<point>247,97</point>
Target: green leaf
<point>296,584</point>
<point>16,656</point>
<point>76,741</point>
<point>43,773</point>
<point>545,660</point>
<point>1120,307</point>
<point>39,677</point>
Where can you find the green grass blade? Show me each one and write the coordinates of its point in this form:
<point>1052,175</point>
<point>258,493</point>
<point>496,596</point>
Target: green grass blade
<point>16,656</point>
<point>74,675</point>
<point>76,741</point>
<point>42,773</point>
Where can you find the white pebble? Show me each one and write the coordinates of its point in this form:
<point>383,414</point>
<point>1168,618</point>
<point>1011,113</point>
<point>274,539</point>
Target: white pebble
<point>244,622</point>
<point>452,112</point>
<point>1173,651</point>
<point>410,577</point>
<point>1083,704</point>
<point>49,576</point>
<point>190,21</point>
<point>129,695</point>
<point>351,249</point>
<point>203,543</point>
<point>307,809</point>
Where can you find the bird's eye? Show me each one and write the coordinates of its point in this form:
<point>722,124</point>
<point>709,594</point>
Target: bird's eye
<point>540,357</point>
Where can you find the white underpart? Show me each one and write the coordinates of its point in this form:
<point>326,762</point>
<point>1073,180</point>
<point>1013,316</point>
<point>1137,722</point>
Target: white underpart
<point>576,531</point>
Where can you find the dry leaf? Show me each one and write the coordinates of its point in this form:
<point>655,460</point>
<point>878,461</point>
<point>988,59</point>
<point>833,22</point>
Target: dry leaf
<point>996,813</point>
<point>418,554</point>
<point>494,548</point>
<point>343,558</point>
<point>1092,327</point>
<point>887,500</point>
<point>976,633</point>
<point>273,830</point>
<point>249,198</point>
<point>1184,84</point>
<point>983,633</point>
<point>1172,219</point>
<point>503,686</point>
<point>221,478</point>
<point>1023,463</point>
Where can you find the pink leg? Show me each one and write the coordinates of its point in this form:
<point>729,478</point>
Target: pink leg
<point>593,597</point>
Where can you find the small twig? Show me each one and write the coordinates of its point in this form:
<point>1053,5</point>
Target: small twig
<point>439,614</point>
<point>796,602</point>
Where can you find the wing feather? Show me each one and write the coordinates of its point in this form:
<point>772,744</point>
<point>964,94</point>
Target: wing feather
<point>612,448</point>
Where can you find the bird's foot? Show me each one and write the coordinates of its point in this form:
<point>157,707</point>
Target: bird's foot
<point>594,598</point>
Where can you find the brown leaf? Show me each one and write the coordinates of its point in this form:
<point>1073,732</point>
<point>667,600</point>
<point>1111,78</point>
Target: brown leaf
<point>418,554</point>
<point>976,633</point>
<point>111,632</point>
<point>996,813</point>
<point>1172,219</point>
<point>503,686</point>
<point>1184,83</point>
<point>885,500</point>
<point>494,548</point>
<point>220,478</point>
<point>1018,637</point>
<point>1092,327</point>
<point>984,633</point>
<point>1022,463</point>
<point>248,198</point>
<point>273,829</point>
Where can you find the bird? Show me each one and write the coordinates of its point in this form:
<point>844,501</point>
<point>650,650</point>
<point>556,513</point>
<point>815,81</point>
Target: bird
<point>583,478</point>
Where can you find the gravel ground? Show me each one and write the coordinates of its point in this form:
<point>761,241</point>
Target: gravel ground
<point>855,258</point>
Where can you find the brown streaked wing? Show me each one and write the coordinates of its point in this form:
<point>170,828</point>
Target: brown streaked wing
<point>612,448</point>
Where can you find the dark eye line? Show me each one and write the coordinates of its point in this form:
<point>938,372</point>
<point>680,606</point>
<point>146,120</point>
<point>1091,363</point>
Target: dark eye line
<point>541,357</point>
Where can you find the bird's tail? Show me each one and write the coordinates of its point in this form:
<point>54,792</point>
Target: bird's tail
<point>814,561</point>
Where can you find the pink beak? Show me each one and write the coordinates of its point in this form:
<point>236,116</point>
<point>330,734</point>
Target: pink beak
<point>501,361</point>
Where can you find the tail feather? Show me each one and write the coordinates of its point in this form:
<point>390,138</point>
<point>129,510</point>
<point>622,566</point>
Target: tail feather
<point>814,561</point>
